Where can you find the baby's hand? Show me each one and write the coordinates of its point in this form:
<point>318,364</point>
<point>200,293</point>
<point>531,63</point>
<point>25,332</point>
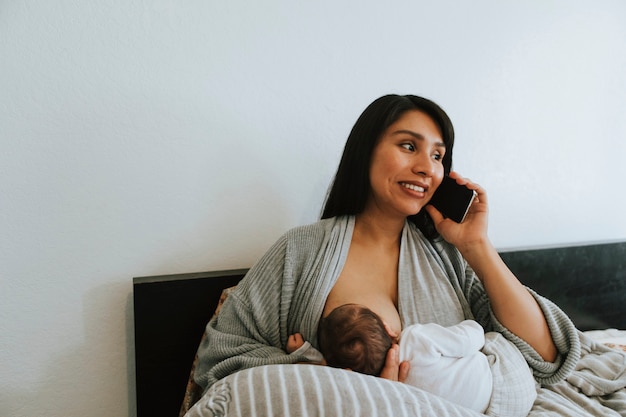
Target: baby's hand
<point>294,342</point>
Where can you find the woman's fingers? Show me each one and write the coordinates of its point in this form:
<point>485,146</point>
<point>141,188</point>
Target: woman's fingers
<point>482,195</point>
<point>391,369</point>
<point>403,371</point>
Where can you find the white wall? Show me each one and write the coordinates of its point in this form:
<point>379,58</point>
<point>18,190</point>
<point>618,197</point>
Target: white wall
<point>143,138</point>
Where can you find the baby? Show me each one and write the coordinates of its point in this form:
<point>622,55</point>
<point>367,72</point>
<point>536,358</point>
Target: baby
<point>483,372</point>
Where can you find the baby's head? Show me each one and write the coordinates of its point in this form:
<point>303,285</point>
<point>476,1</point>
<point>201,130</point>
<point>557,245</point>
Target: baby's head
<point>353,336</point>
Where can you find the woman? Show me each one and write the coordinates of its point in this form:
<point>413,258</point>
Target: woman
<point>382,245</point>
<point>407,156</point>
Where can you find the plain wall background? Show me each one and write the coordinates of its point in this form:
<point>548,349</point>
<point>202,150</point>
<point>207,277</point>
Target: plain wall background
<point>154,137</point>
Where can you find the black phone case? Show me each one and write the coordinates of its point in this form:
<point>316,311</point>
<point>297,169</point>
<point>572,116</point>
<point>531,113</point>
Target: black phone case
<point>453,200</point>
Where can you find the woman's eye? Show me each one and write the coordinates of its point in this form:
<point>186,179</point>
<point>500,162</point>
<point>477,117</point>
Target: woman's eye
<point>437,156</point>
<point>408,146</point>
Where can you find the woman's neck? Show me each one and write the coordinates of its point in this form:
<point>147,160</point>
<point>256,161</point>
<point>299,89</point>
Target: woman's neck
<point>378,228</point>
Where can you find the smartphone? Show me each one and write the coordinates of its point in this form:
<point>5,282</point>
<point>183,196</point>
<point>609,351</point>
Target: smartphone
<point>453,200</point>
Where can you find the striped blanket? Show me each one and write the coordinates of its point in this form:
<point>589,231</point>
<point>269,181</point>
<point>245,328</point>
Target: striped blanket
<point>311,390</point>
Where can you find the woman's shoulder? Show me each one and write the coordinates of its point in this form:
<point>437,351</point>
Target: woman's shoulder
<point>301,241</point>
<point>318,230</point>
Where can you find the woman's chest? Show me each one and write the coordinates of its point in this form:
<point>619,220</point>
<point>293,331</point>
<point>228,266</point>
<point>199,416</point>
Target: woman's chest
<point>372,282</point>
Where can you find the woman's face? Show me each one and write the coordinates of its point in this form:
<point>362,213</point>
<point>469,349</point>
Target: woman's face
<point>406,166</point>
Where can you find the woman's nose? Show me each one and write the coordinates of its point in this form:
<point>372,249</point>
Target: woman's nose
<point>424,165</point>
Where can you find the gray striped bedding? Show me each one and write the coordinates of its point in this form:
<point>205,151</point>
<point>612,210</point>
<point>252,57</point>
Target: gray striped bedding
<point>310,390</point>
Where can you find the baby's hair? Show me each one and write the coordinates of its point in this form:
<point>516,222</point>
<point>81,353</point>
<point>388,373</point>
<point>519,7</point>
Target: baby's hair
<point>353,336</point>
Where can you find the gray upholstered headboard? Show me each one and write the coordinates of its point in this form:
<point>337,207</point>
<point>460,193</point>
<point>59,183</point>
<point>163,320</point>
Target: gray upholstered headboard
<point>171,311</point>
<point>587,281</point>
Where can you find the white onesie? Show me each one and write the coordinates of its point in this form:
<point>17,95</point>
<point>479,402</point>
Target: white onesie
<point>448,362</point>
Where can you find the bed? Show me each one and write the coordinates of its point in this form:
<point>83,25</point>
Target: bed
<point>171,311</point>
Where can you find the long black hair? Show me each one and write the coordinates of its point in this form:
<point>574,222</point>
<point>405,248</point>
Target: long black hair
<point>351,186</point>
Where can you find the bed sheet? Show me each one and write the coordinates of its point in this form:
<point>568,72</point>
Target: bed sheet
<point>614,338</point>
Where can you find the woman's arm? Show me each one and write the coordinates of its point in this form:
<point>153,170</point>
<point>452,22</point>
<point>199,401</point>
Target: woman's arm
<point>511,303</point>
<point>236,339</point>
<point>246,332</point>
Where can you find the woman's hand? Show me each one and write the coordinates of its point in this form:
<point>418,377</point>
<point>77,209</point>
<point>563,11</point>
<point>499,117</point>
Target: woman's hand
<point>474,227</point>
<point>393,369</point>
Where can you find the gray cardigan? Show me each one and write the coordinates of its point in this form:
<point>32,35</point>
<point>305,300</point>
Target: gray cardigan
<point>285,292</point>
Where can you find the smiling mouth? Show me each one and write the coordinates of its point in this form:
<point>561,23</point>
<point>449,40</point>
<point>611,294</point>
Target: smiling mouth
<point>413,187</point>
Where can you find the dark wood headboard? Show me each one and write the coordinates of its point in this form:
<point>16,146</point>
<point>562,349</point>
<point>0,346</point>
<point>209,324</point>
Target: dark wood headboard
<point>171,311</point>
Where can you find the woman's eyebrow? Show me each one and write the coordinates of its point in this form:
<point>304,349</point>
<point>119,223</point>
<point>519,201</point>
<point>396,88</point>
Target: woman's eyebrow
<point>418,136</point>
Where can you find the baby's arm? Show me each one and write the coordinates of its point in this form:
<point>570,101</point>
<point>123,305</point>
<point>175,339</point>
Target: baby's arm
<point>426,343</point>
<point>294,342</point>
<point>457,341</point>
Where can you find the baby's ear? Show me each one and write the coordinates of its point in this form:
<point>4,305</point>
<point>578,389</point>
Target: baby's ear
<point>391,333</point>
